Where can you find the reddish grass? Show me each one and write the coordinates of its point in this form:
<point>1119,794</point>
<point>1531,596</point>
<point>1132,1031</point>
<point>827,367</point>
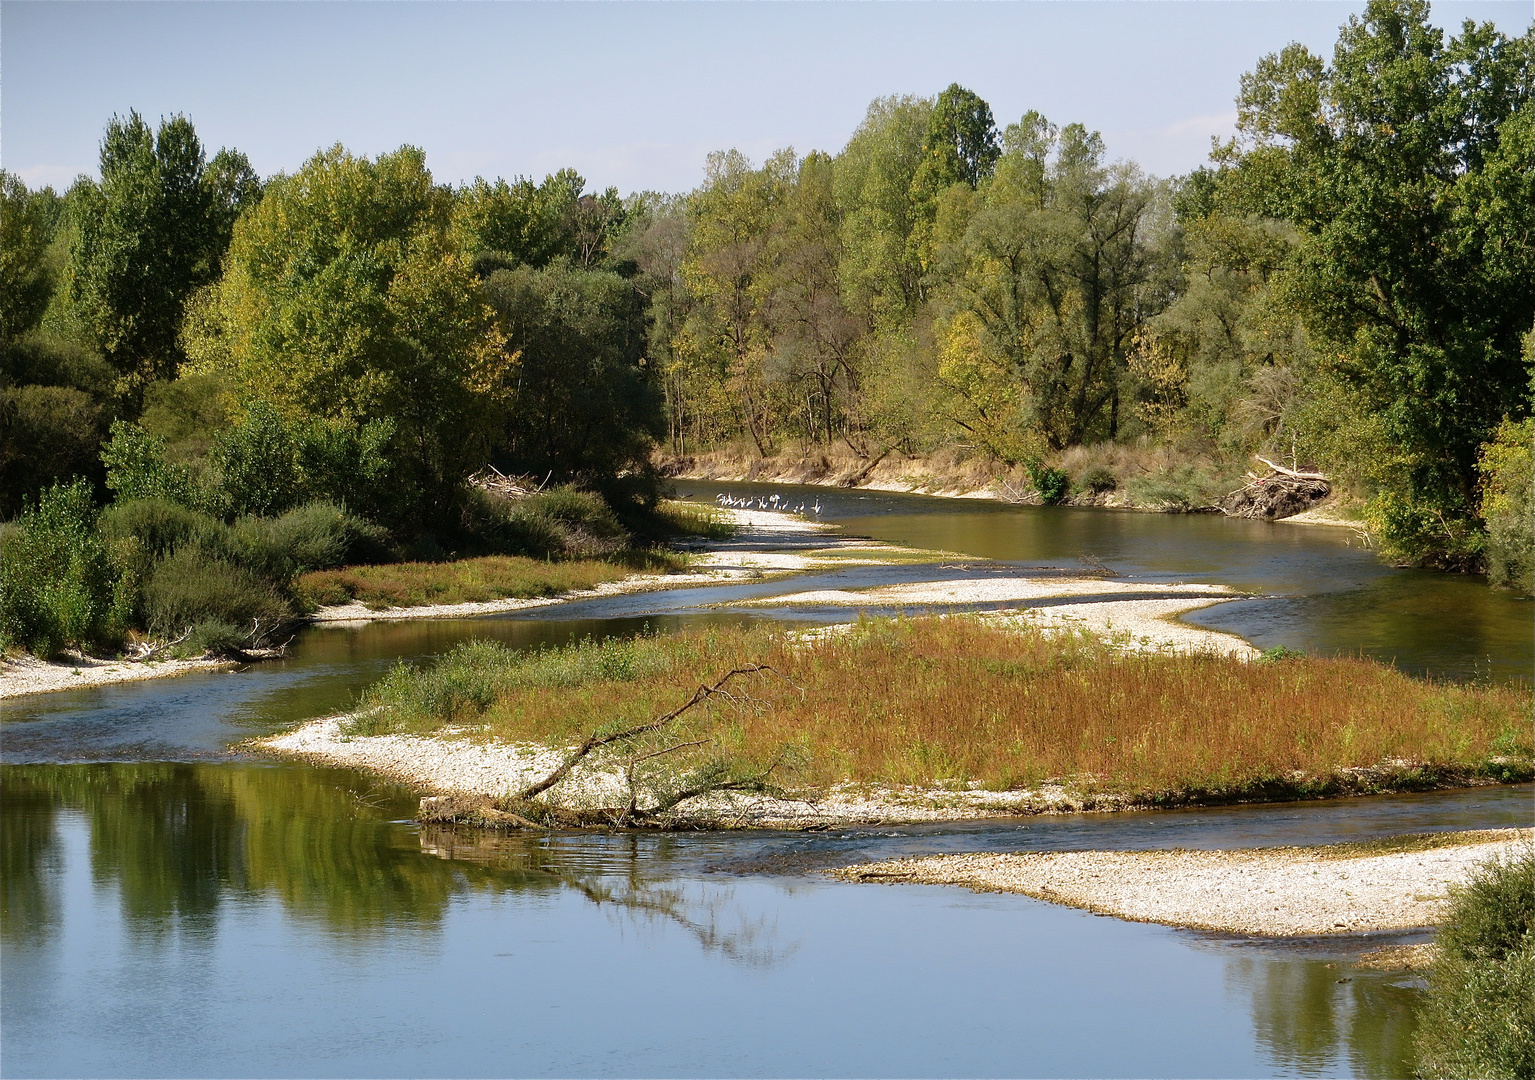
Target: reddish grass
<point>933,700</point>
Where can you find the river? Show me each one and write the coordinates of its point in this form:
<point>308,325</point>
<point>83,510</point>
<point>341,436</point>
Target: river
<point>173,908</point>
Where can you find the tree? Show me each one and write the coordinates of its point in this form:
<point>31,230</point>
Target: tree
<point>153,230</point>
<point>27,221</point>
<point>961,142</point>
<point>881,272</point>
<point>1408,167</point>
<point>583,406</point>
<point>344,297</point>
<point>728,272</point>
<point>1049,267</point>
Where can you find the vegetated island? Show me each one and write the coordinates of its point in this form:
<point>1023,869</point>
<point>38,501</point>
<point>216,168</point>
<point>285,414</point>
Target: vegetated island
<point>905,719</point>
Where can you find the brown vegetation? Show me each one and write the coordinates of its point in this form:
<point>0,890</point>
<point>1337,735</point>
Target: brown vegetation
<point>934,701</point>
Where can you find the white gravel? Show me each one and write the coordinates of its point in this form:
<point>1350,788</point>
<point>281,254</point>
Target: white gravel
<point>456,764</point>
<point>1282,892</point>
<point>28,675</point>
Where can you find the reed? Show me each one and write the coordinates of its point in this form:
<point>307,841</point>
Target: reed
<point>960,701</point>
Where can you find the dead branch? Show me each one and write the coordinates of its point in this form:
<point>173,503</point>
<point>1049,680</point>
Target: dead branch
<point>597,740</point>
<point>863,474</point>
<point>1291,473</point>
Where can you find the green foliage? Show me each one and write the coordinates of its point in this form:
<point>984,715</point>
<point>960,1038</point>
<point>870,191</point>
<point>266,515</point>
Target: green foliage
<point>1052,484</point>
<point>61,585</point>
<point>583,407</point>
<point>1097,479</point>
<point>1404,166</point>
<point>1481,1001</point>
<point>191,587</point>
<point>151,232</point>
<point>52,435</point>
<point>27,222</point>
<point>265,463</point>
<point>137,468</point>
<point>346,299</point>
<point>1184,488</point>
<point>1507,466</point>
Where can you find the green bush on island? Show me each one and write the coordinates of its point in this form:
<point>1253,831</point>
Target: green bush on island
<point>1480,1016</point>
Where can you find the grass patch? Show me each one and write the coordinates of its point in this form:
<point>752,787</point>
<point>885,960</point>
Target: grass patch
<point>957,701</point>
<point>491,577</point>
<point>673,518</point>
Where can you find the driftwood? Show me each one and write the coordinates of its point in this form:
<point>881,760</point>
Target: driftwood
<point>524,810</point>
<point>492,480</point>
<point>863,474</point>
<point>1281,493</point>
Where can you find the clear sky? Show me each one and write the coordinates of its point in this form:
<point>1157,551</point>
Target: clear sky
<point>631,94</point>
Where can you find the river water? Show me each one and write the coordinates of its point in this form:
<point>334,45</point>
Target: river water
<point>170,907</point>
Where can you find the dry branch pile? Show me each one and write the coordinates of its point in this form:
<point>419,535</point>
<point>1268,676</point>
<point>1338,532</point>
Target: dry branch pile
<point>496,482</point>
<point>1281,493</point>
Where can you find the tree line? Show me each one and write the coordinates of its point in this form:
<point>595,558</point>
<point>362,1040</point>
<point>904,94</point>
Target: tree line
<point>1349,284</point>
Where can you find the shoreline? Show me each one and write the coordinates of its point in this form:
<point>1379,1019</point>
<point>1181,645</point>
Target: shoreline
<point>466,780</point>
<point>925,481</point>
<point>1394,884</point>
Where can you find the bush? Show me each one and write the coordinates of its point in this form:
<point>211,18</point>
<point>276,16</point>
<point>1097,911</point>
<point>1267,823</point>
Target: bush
<point>60,583</point>
<point>1053,484</point>
<point>315,536</point>
<point>1508,506</point>
<point>191,587</point>
<point>52,434</point>
<point>1179,489</point>
<point>1097,480</point>
<point>1480,1016</point>
<point>156,527</point>
<point>137,468</point>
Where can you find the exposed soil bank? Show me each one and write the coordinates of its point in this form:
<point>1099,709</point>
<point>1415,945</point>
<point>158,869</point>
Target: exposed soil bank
<point>1280,892</point>
<point>942,476</point>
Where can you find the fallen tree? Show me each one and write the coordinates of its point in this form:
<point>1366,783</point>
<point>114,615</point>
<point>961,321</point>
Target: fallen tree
<point>1280,493</point>
<point>653,793</point>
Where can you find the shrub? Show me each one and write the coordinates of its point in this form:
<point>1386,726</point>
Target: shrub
<point>1480,1016</point>
<point>1508,506</point>
<point>1185,488</point>
<point>314,536</point>
<point>156,527</point>
<point>191,587</point>
<point>60,583</point>
<point>1053,484</point>
<point>1097,480</point>
<point>52,433</point>
<point>137,468</point>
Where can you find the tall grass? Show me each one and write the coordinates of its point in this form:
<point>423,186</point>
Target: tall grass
<point>959,700</point>
<point>491,577</point>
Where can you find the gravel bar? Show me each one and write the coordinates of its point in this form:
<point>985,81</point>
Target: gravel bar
<point>1277,892</point>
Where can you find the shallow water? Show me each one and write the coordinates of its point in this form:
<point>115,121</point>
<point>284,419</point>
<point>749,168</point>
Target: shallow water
<point>1323,593</point>
<point>169,906</point>
<point>267,920</point>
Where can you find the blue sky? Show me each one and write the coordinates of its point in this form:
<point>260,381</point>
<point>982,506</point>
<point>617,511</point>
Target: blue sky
<point>631,94</point>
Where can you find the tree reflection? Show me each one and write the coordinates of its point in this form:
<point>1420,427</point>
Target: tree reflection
<point>1312,1016</point>
<point>176,841</point>
<point>617,877</point>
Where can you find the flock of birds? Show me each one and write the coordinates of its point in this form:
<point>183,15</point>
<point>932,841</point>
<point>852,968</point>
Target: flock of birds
<point>767,502</point>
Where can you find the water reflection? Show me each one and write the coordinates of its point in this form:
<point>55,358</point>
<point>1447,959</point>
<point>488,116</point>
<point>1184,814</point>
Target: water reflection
<point>1313,1012</point>
<point>216,873</point>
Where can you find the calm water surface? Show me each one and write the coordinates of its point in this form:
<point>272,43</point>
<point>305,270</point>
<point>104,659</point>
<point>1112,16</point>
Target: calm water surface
<point>171,907</point>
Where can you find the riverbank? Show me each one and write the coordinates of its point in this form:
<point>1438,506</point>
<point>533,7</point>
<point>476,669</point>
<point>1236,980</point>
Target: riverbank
<point>1396,884</point>
<point>24,675</point>
<point>1152,481</point>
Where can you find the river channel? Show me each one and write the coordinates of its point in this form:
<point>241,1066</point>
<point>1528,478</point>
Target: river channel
<point>169,907</point>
